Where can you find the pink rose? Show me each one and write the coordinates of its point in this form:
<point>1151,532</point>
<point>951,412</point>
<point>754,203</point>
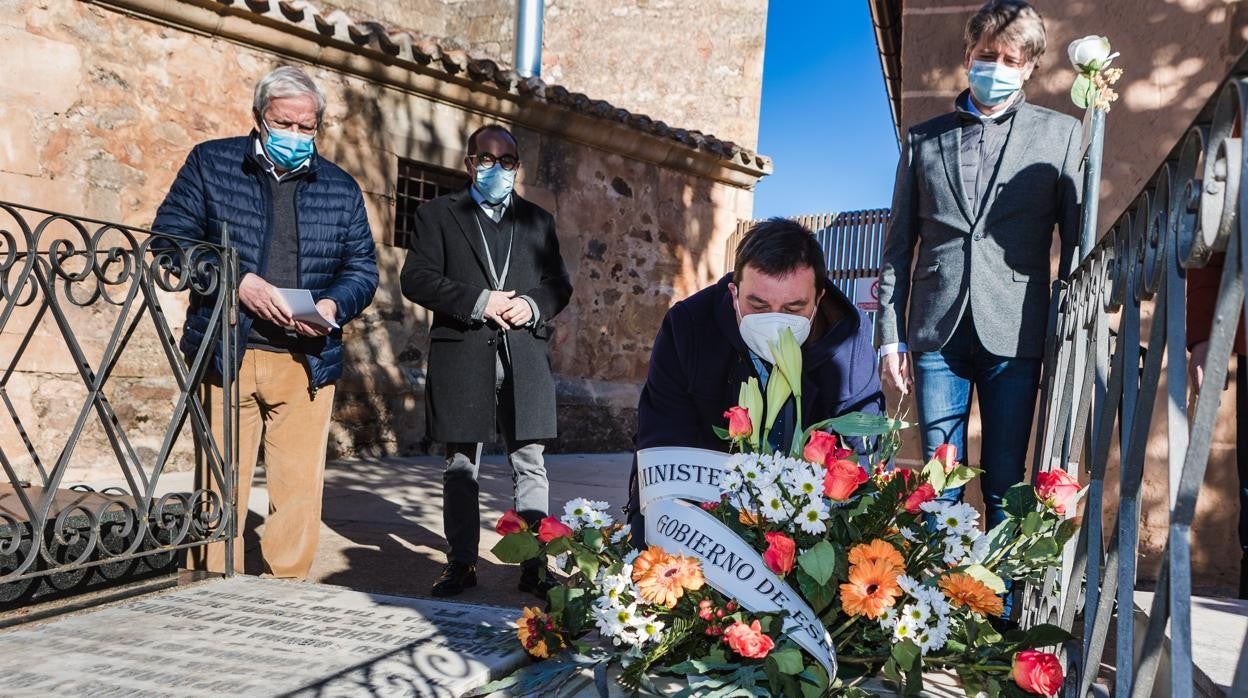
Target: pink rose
<point>1037,672</point>
<point>739,424</point>
<point>749,641</point>
<point>947,454</point>
<point>551,528</point>
<point>820,445</point>
<point>842,478</point>
<point>924,493</point>
<point>781,551</point>
<point>1057,489</point>
<point>510,522</point>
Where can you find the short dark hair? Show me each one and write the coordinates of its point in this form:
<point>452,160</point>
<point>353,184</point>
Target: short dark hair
<point>779,246</point>
<point>488,128</point>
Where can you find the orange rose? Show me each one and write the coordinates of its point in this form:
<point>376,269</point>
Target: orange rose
<point>510,522</point>
<point>947,454</point>
<point>739,424</point>
<point>749,641</point>
<point>924,493</point>
<point>820,445</point>
<point>842,478</point>
<point>551,528</point>
<point>1037,672</point>
<point>1057,489</point>
<point>781,551</point>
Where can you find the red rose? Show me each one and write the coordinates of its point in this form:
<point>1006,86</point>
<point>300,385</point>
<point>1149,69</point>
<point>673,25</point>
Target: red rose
<point>781,550</point>
<point>739,424</point>
<point>947,454</point>
<point>924,493</point>
<point>748,640</point>
<point>551,528</point>
<point>842,478</point>
<point>510,522</point>
<point>1057,489</point>
<point>1037,672</point>
<point>820,445</point>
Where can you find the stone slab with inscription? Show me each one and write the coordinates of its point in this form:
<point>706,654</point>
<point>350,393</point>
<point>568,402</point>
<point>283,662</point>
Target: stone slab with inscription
<point>248,636</point>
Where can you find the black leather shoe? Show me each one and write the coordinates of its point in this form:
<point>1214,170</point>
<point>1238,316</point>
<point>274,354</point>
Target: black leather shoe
<point>454,579</point>
<point>532,581</point>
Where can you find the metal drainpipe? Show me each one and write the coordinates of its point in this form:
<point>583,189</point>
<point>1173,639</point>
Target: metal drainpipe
<point>529,37</point>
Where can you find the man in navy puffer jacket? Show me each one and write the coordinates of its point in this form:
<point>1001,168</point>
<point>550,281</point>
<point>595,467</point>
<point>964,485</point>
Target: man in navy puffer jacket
<point>298,222</point>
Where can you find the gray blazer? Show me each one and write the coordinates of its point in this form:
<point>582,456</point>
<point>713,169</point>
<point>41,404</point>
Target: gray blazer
<point>994,264</point>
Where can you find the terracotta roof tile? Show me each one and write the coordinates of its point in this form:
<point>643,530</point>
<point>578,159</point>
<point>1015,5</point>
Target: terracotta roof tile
<point>454,58</point>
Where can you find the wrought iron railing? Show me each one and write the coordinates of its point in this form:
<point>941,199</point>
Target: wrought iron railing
<point>1096,391</point>
<point>85,309</point>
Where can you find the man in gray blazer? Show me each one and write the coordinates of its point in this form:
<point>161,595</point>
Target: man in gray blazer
<point>965,277</point>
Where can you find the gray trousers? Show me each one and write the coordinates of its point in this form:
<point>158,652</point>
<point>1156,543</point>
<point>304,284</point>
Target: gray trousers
<point>461,512</point>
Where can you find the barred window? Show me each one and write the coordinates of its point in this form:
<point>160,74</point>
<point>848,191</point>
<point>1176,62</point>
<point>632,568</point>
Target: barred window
<point>419,182</point>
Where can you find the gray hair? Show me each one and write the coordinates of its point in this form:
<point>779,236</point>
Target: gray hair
<point>287,81</point>
<point>1012,21</point>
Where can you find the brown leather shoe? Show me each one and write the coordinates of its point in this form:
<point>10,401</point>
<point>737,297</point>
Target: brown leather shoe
<point>454,579</point>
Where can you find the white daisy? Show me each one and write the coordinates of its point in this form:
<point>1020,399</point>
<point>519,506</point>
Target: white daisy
<point>620,535</point>
<point>774,506</point>
<point>648,628</point>
<point>889,618</point>
<point>917,612</point>
<point>908,584</point>
<point>577,508</point>
<point>906,629</point>
<point>812,517</point>
<point>731,482</point>
<point>629,557</point>
<point>910,535</point>
<point>599,519</point>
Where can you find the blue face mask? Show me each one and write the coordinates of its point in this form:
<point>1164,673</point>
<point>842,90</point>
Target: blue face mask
<point>494,183</point>
<point>287,149</point>
<point>993,83</point>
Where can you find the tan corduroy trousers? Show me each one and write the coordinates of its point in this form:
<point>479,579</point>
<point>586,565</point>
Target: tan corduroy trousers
<point>279,412</point>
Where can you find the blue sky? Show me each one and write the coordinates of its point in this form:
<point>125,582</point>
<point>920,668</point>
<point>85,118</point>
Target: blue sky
<point>825,118</point>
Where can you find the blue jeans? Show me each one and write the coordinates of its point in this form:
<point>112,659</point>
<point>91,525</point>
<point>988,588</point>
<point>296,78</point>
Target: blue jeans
<point>944,383</point>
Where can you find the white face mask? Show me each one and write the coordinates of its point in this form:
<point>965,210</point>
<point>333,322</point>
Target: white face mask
<point>758,329</point>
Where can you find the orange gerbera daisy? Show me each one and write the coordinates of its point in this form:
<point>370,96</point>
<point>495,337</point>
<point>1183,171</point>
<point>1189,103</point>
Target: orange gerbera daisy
<point>662,578</point>
<point>877,550</point>
<point>534,628</point>
<point>965,590</point>
<point>872,587</point>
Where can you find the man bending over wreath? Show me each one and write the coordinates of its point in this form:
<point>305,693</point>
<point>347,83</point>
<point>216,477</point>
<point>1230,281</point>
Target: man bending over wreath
<point>717,338</point>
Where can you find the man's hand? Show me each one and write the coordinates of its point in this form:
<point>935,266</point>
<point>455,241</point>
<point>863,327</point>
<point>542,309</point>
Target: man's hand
<point>1196,367</point>
<point>263,300</point>
<point>895,371</point>
<point>518,313</point>
<point>498,304</point>
<point>328,310</point>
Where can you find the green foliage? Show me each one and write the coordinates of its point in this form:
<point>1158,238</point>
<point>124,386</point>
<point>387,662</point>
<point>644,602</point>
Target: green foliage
<point>1083,92</point>
<point>819,562</point>
<point>516,547</point>
<point>1020,500</point>
<point>679,632</point>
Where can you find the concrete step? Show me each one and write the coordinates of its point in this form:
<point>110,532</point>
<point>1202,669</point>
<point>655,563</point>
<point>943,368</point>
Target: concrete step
<point>1219,631</point>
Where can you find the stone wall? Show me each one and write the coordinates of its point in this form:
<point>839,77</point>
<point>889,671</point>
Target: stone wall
<point>1174,55</point>
<point>109,105</point>
<point>691,64</point>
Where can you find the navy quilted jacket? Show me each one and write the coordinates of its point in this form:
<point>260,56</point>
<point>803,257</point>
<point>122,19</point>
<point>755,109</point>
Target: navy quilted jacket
<point>221,184</point>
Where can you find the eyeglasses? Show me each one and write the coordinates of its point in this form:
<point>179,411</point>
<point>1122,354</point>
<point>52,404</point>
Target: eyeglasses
<point>487,160</point>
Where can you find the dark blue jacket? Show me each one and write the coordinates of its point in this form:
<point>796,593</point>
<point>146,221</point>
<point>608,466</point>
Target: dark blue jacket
<point>699,361</point>
<point>221,184</point>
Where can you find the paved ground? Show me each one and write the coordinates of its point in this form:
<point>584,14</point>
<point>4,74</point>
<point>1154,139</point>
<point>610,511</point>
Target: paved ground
<point>381,527</point>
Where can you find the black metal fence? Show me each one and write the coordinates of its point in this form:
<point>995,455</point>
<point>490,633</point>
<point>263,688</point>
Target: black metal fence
<point>86,341</point>
<point>1097,397</point>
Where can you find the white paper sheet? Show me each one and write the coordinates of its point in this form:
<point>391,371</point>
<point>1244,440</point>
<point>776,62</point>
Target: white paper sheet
<point>303,307</point>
